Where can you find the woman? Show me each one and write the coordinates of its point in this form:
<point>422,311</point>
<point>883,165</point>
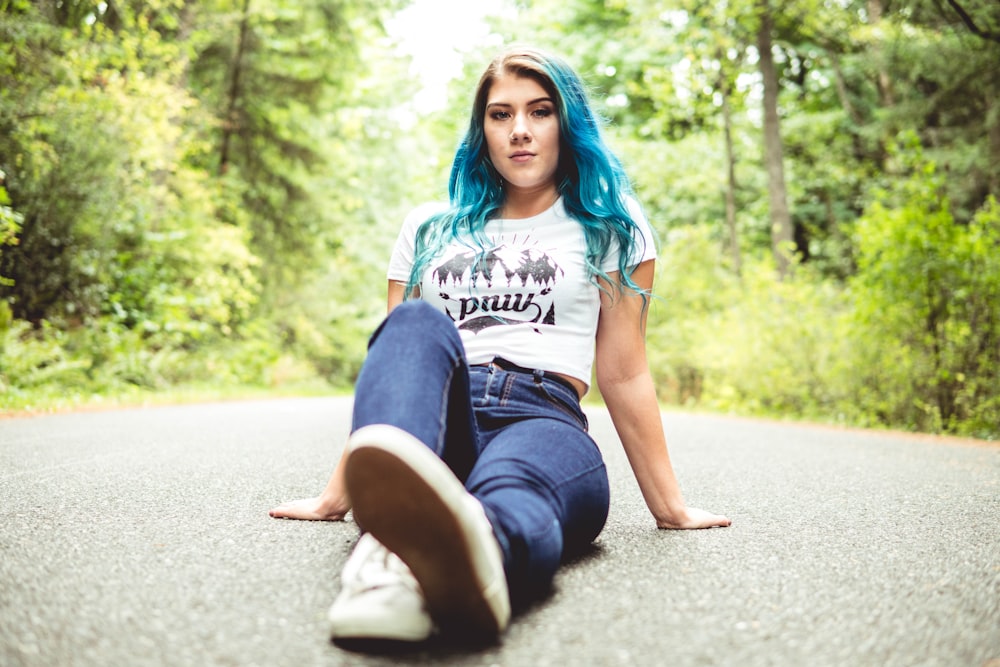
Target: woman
<point>469,466</point>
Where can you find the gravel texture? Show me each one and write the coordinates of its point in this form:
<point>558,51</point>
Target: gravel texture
<point>141,537</point>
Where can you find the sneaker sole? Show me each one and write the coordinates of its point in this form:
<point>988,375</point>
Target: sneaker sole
<point>408,498</point>
<point>374,629</point>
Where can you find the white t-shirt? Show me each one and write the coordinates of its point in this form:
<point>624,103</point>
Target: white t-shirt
<point>529,299</point>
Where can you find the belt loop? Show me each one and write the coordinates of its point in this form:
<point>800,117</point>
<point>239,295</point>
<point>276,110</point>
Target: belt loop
<point>539,374</point>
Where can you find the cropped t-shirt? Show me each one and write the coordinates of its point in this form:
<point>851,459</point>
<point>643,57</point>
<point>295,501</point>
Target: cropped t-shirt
<point>528,298</point>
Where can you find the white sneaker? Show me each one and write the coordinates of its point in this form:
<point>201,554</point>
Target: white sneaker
<point>411,501</point>
<point>379,598</point>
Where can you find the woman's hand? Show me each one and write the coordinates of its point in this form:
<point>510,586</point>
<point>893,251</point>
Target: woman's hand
<point>311,509</point>
<point>692,518</point>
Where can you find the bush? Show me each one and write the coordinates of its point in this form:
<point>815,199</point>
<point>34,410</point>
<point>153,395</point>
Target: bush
<point>911,341</point>
<point>691,294</point>
<point>758,345</point>
<point>927,311</point>
<point>778,348</point>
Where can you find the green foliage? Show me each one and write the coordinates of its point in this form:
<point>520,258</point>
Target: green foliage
<point>48,366</point>
<point>683,183</point>
<point>927,310</point>
<point>778,348</point>
<point>692,293</point>
<point>759,344</point>
<point>276,77</point>
<point>10,225</point>
<point>945,89</point>
<point>140,263</point>
<point>912,340</point>
<point>35,359</point>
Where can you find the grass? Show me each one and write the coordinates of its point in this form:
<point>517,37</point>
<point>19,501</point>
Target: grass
<point>51,400</point>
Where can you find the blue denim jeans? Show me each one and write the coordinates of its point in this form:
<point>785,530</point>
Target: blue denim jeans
<point>517,440</point>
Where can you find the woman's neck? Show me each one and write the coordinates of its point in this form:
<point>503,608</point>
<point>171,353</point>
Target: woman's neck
<point>521,204</point>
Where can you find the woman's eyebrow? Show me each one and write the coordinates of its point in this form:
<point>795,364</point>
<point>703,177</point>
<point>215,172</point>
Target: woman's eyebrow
<point>508,104</point>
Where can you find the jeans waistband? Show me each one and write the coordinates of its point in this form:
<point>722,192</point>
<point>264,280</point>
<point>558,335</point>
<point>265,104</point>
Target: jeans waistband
<point>538,374</point>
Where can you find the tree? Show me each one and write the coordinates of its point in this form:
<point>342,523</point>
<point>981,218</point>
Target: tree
<point>927,296</point>
<point>56,123</point>
<point>781,221</point>
<point>127,226</point>
<point>972,24</point>
<point>943,84</point>
<point>273,74</point>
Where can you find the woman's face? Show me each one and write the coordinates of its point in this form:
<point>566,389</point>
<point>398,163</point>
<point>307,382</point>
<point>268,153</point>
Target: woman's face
<point>522,133</point>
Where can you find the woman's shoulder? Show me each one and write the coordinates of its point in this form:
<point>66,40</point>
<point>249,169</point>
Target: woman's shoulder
<point>635,209</point>
<point>422,212</point>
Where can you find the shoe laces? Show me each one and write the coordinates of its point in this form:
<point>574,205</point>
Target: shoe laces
<point>376,567</point>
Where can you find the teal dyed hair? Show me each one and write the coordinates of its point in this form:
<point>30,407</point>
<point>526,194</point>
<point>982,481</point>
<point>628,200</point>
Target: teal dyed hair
<point>589,177</point>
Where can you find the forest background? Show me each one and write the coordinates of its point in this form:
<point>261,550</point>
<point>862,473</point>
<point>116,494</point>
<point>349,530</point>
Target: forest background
<point>198,199</point>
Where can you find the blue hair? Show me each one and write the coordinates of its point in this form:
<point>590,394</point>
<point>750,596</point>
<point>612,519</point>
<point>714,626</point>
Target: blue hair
<point>589,177</point>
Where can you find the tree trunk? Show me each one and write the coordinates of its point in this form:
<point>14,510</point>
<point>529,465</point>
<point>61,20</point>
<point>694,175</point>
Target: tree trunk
<point>993,177</point>
<point>882,80</point>
<point>230,124</point>
<point>842,94</point>
<point>727,125</point>
<point>781,220</point>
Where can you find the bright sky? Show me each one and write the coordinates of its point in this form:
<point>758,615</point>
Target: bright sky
<point>436,34</point>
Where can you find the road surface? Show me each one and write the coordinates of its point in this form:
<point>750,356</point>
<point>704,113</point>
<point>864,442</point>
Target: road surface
<point>141,537</point>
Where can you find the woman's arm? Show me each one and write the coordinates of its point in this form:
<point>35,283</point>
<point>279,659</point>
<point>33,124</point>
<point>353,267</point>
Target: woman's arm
<point>394,295</point>
<point>332,504</point>
<point>627,387</point>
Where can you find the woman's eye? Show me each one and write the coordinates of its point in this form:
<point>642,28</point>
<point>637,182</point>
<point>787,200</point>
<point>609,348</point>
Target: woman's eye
<point>500,115</point>
<point>542,113</point>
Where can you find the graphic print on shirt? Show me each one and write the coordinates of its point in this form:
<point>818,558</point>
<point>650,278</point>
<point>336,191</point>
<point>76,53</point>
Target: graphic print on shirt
<point>507,284</point>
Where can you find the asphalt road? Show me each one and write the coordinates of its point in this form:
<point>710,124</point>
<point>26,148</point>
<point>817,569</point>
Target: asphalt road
<point>141,537</point>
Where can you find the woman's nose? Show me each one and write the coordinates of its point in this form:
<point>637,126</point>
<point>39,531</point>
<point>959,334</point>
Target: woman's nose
<point>520,131</point>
